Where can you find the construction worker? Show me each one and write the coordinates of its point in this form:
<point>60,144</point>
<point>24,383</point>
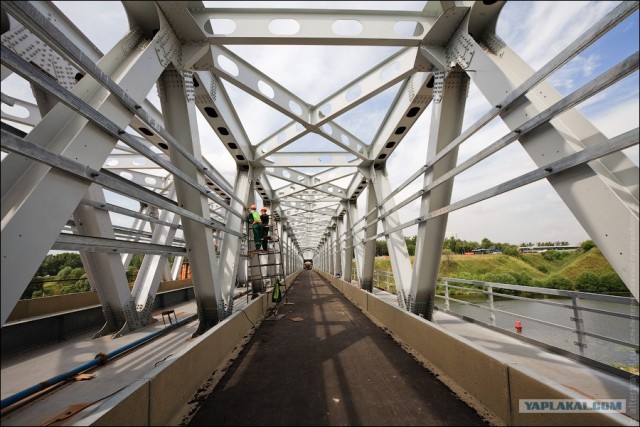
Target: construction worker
<point>264,217</point>
<point>254,221</point>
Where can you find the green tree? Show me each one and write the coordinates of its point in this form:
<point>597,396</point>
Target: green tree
<point>64,273</point>
<point>588,282</point>
<point>447,253</point>
<point>611,282</point>
<point>510,250</point>
<point>136,260</point>
<point>411,245</point>
<point>559,281</point>
<point>486,243</point>
<point>522,278</point>
<point>34,286</point>
<point>500,277</point>
<point>551,255</point>
<point>381,248</point>
<point>586,245</point>
<point>52,264</point>
<point>132,273</point>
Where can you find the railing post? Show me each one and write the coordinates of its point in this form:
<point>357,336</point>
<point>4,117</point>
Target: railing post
<point>388,285</point>
<point>577,319</point>
<point>492,315</point>
<point>446,295</point>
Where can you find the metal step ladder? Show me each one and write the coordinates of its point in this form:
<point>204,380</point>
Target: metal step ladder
<point>265,267</point>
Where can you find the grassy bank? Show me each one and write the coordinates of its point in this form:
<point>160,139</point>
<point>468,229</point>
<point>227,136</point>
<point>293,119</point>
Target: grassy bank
<point>586,271</point>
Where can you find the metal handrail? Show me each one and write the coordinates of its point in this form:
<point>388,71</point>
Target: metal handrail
<point>443,283</point>
<point>384,280</point>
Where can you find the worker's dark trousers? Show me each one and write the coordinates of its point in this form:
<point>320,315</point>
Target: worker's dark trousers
<point>257,235</point>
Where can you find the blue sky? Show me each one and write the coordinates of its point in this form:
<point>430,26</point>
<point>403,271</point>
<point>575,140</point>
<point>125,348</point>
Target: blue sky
<point>537,31</point>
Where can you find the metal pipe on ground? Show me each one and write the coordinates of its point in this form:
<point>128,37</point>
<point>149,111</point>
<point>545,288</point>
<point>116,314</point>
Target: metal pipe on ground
<point>100,359</point>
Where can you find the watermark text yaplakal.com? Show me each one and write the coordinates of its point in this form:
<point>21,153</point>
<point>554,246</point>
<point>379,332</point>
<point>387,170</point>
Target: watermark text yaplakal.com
<point>572,405</point>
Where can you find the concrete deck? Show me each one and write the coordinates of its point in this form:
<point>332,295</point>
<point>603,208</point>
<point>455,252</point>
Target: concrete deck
<point>321,361</point>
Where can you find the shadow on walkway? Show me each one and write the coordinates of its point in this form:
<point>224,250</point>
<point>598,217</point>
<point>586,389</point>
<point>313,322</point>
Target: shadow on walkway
<point>323,362</point>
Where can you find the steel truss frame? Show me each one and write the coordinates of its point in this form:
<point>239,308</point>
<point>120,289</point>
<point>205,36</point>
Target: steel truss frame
<point>93,131</point>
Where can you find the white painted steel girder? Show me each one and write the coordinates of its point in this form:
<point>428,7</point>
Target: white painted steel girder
<point>358,183</point>
<point>603,201</point>
<point>138,225</point>
<point>143,179</point>
<point>396,245</point>
<point>152,269</point>
<point>339,244</point>
<point>323,190</point>
<point>434,42</point>
<point>245,76</point>
<point>34,206</point>
<point>305,159</point>
<point>315,27</point>
<point>411,101</point>
<point>262,185</point>
<point>389,72</point>
<point>226,267</point>
<point>446,124</point>
<point>131,161</point>
<point>288,174</point>
<point>330,131</point>
<point>330,241</point>
<point>213,102</point>
<point>22,41</point>
<point>281,138</point>
<point>181,121</point>
<point>30,117</point>
<point>104,270</point>
<point>366,278</point>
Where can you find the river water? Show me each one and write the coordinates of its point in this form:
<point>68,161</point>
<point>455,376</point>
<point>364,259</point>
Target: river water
<point>608,326</point>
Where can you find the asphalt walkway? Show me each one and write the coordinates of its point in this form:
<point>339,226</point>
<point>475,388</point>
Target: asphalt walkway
<point>321,361</point>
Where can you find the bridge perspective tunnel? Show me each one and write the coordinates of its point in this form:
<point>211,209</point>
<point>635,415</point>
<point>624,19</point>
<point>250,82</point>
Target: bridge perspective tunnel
<point>141,135</point>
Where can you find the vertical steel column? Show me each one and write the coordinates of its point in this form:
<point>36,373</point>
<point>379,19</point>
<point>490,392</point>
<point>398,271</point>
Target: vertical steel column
<point>138,225</point>
<point>175,270</point>
<point>397,246</point>
<point>148,279</point>
<point>356,238</point>
<point>331,249</point>
<point>347,261</point>
<point>339,245</point>
<point>104,270</point>
<point>284,237</point>
<point>180,118</point>
<point>366,280</point>
<point>449,98</point>
<point>225,274</point>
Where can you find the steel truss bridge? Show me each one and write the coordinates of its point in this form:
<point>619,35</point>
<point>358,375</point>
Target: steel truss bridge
<point>95,145</point>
